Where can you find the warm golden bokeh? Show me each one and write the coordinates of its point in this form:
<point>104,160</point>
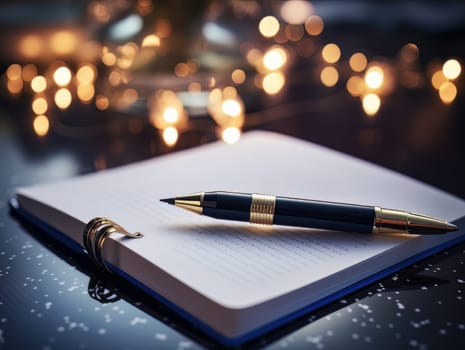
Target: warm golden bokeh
<point>296,11</point>
<point>331,53</point>
<point>371,104</point>
<point>275,58</point>
<point>39,105</point>
<point>268,26</point>
<point>329,76</point>
<point>231,108</point>
<point>171,115</point>
<point>438,79</point>
<point>31,46</point>
<point>355,85</point>
<point>85,92</point>
<point>15,86</point>
<point>63,42</point>
<point>39,83</point>
<point>41,125</point>
<point>86,74</point>
<point>231,135</point>
<point>374,77</point>
<point>238,76</point>
<point>63,98</point>
<point>29,72</point>
<point>273,82</point>
<point>13,72</point>
<point>181,70</point>
<point>448,92</point>
<point>170,136</point>
<point>314,25</point>
<point>358,62</point>
<point>102,102</point>
<point>62,76</point>
<point>451,69</point>
<point>151,40</point>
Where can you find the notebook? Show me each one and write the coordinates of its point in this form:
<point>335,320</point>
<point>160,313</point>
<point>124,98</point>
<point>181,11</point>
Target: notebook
<point>236,280</point>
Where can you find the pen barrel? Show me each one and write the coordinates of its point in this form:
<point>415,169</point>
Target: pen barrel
<point>324,215</point>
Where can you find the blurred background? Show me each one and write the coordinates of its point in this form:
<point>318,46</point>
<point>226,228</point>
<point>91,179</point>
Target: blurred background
<point>87,85</point>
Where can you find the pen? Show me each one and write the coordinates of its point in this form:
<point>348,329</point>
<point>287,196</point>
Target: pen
<point>268,210</point>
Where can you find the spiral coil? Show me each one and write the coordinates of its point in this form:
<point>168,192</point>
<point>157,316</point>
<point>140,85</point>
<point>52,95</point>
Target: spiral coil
<point>95,234</point>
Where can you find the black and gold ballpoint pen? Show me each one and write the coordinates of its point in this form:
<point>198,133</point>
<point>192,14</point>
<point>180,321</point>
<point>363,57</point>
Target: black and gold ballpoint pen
<point>268,210</point>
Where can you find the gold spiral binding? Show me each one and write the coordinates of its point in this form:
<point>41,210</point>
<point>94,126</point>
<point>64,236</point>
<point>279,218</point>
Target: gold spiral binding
<point>94,235</point>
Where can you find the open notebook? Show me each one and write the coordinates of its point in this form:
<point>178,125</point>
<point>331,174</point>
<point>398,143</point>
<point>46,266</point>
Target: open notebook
<point>233,279</point>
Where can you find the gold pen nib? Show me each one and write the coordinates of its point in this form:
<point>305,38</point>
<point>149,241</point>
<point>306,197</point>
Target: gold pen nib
<point>191,202</point>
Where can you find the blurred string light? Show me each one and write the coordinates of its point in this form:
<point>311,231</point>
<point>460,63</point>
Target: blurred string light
<point>268,26</point>
<point>443,80</point>
<point>62,76</point>
<point>167,114</point>
<point>63,98</point>
<point>290,31</point>
<point>41,125</point>
<point>38,83</point>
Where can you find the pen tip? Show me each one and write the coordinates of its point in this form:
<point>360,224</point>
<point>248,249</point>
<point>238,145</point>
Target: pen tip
<point>451,227</point>
<point>168,200</point>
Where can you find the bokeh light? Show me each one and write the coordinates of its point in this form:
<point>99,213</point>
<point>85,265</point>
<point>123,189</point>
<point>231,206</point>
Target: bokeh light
<point>41,125</point>
<point>231,135</point>
<point>296,11</point>
<point>85,92</point>
<point>329,76</point>
<point>63,98</point>
<point>438,79</point>
<point>62,76</point>
<point>451,69</point>
<point>371,104</point>
<point>314,25</point>
<point>31,46</point>
<point>358,62</point>
<point>63,42</point>
<point>151,40</point>
<point>275,58</point>
<point>39,83</point>
<point>39,105</point>
<point>170,136</point>
<point>374,77</point>
<point>86,74</point>
<point>355,85</point>
<point>448,92</point>
<point>268,26</point>
<point>13,72</point>
<point>171,115</point>
<point>231,108</point>
<point>102,102</point>
<point>331,53</point>
<point>273,82</point>
<point>238,76</point>
<point>29,72</point>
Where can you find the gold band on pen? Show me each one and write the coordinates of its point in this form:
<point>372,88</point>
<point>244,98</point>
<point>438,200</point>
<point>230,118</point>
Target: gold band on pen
<point>262,209</point>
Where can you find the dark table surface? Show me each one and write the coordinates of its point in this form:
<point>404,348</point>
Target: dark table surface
<point>52,299</point>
